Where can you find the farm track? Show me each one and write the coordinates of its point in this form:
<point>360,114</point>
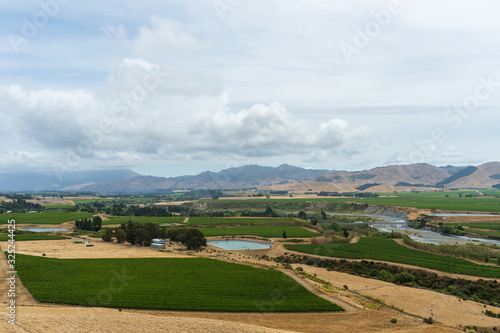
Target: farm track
<point>355,239</point>
<point>23,296</point>
<point>348,307</point>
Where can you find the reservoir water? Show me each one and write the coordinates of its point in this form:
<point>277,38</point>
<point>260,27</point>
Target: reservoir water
<point>44,229</point>
<point>236,244</point>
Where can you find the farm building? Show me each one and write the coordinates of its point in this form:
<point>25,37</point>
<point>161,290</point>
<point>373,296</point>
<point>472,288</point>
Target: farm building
<point>158,243</point>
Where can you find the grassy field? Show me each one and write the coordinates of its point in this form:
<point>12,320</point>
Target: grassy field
<point>442,203</point>
<point>143,219</point>
<point>262,231</point>
<point>133,201</point>
<point>491,229</point>
<point>491,226</point>
<point>431,194</point>
<point>56,217</point>
<point>49,207</point>
<point>243,220</point>
<point>388,250</point>
<point>417,200</point>
<point>483,232</point>
<point>491,192</point>
<point>192,284</point>
<point>30,237</point>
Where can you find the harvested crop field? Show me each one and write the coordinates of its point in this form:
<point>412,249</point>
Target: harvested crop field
<point>62,319</point>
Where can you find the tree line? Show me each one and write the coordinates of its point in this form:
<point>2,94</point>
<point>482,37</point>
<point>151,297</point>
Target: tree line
<point>143,234</point>
<point>19,206</point>
<point>93,224</point>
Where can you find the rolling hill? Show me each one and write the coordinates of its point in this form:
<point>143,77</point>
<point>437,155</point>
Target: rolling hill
<point>284,177</point>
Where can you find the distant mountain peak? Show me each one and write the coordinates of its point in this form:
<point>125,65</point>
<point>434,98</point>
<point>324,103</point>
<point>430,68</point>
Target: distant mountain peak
<point>253,176</point>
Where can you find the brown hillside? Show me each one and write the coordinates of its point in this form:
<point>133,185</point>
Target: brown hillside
<point>481,178</point>
<point>391,175</point>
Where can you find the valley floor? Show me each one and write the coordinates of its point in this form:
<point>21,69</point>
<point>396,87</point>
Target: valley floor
<point>362,315</point>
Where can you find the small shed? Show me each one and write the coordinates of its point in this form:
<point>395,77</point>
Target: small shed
<point>158,243</point>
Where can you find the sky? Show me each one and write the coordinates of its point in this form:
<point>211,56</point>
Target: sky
<point>168,88</point>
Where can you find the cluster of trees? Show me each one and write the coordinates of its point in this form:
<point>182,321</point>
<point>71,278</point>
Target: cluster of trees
<point>198,194</point>
<point>19,205</point>
<point>279,192</point>
<point>93,224</point>
<point>268,212</point>
<point>121,209</point>
<point>484,291</point>
<point>16,196</point>
<point>452,230</point>
<point>192,238</point>
<point>136,210</point>
<point>143,233</point>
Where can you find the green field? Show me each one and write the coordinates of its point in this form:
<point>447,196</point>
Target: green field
<point>242,220</point>
<point>30,237</point>
<point>491,226</point>
<point>192,284</point>
<point>433,194</point>
<point>55,207</point>
<point>93,200</point>
<point>492,229</point>
<point>442,203</point>
<point>56,217</point>
<point>483,232</point>
<point>143,219</point>
<point>491,192</point>
<point>418,200</point>
<point>115,200</point>
<point>262,231</point>
<point>388,250</point>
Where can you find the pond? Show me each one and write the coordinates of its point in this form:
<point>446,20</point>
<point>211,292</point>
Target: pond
<point>44,229</point>
<point>236,244</point>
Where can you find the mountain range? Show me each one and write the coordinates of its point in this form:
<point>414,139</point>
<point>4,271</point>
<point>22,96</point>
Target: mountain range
<point>284,177</point>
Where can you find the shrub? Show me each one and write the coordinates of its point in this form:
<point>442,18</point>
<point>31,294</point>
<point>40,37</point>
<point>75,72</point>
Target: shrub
<point>492,314</point>
<point>403,277</point>
<point>394,320</point>
<point>108,236</point>
<point>120,236</point>
<point>385,275</point>
<point>429,320</point>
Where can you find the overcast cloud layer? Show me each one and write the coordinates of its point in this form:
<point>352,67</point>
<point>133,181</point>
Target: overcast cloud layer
<point>178,87</point>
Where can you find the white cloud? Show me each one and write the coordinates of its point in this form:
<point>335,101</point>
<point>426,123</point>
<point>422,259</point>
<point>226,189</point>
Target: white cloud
<point>189,120</point>
<point>163,38</point>
<point>266,81</point>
